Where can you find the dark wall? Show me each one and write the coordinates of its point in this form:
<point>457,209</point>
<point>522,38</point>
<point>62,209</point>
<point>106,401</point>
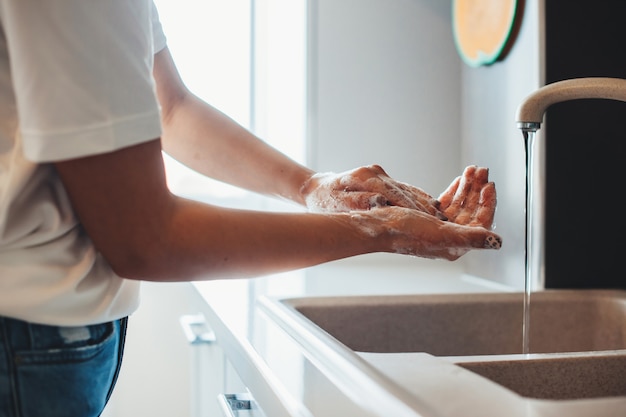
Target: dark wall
<point>585,149</point>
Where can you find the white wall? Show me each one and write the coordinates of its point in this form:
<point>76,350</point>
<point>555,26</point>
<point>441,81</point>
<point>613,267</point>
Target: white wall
<point>385,88</point>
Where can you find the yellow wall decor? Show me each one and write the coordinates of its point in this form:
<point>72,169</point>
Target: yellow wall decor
<point>484,29</point>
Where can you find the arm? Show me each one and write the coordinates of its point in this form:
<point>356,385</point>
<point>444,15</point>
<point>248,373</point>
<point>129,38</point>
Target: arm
<point>147,233</point>
<point>212,144</point>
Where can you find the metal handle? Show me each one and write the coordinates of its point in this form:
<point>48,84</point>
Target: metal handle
<point>197,330</point>
<point>239,405</point>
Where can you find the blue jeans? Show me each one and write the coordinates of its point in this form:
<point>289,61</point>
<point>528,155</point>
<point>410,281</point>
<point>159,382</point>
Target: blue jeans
<point>51,371</point>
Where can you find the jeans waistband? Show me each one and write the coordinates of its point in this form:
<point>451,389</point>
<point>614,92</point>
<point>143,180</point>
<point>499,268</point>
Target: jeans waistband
<point>27,335</point>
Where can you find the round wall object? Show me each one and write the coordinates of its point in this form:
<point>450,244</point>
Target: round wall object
<point>484,29</point>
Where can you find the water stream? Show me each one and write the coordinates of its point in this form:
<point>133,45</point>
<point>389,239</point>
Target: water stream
<point>529,138</point>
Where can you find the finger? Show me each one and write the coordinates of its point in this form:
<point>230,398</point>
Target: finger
<point>414,193</point>
<point>467,180</point>
<point>486,210</point>
<point>475,186</point>
<point>426,205</point>
<point>469,238</point>
<point>445,198</point>
<point>404,195</point>
<point>374,178</point>
<point>454,208</point>
<point>378,170</point>
<point>356,200</point>
<point>359,176</point>
<point>364,200</point>
<point>481,178</point>
<point>481,238</point>
<point>396,193</point>
<point>492,241</point>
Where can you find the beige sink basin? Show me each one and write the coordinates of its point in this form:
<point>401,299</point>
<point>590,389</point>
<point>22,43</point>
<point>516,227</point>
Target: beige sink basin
<point>577,337</point>
<point>471,324</point>
<point>556,377</point>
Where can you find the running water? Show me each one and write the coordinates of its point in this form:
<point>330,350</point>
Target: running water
<point>529,137</point>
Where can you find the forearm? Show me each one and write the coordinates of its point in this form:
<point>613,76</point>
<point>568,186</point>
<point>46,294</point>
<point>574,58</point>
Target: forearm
<point>201,242</point>
<point>209,142</point>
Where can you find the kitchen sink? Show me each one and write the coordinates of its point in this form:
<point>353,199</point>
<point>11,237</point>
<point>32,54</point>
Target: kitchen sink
<point>471,324</point>
<point>557,377</point>
<point>464,341</point>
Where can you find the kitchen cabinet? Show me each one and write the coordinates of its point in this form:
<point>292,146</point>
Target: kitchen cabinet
<point>284,381</point>
<point>163,374</point>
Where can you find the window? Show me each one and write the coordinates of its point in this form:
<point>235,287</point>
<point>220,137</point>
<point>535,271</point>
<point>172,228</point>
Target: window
<point>247,58</point>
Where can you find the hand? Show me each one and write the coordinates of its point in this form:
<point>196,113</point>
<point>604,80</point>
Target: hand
<point>469,200</point>
<point>457,222</point>
<point>363,189</point>
<point>412,232</point>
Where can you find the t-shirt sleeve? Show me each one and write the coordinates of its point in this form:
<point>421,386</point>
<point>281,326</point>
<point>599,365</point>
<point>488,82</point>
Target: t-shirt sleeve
<point>82,75</point>
<point>158,36</point>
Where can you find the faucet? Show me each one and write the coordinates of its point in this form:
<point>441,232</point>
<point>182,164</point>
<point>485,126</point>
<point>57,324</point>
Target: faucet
<point>530,112</point>
<point>529,117</point>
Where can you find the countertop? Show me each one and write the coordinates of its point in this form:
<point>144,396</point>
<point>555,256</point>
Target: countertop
<point>283,380</point>
<point>287,381</point>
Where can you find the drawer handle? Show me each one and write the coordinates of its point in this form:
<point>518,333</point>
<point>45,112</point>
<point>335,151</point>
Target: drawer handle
<point>197,330</point>
<point>239,405</point>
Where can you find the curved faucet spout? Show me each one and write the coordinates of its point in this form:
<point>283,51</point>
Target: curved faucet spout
<point>530,112</point>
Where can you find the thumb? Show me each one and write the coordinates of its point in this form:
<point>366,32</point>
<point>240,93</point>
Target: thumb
<point>492,241</point>
<point>478,237</point>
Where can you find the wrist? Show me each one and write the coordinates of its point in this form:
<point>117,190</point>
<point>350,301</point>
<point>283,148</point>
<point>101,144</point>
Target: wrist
<point>296,180</point>
<point>373,229</point>
<point>310,183</point>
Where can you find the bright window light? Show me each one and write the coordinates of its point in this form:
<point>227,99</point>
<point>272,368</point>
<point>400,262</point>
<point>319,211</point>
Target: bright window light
<point>247,58</point>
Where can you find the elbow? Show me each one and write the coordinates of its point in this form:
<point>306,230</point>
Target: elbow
<point>132,269</point>
<point>140,263</point>
<point>134,266</point>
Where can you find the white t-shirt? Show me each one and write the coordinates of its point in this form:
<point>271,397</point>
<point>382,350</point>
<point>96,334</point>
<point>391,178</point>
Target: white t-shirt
<point>75,80</point>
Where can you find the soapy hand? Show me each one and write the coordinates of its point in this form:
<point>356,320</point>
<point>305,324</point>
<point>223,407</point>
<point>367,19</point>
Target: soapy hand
<point>469,200</point>
<point>365,188</point>
<point>412,232</point>
<point>459,221</point>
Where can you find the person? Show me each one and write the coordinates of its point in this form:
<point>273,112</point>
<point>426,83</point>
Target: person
<point>89,99</point>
